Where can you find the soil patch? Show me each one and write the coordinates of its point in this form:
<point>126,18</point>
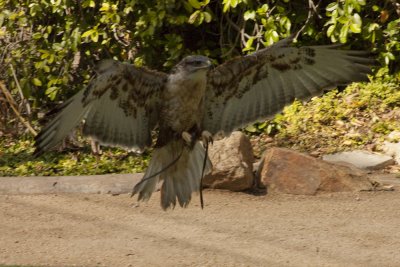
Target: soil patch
<point>234,229</point>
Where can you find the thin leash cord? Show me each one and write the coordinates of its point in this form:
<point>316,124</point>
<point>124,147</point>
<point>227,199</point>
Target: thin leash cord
<point>159,172</point>
<point>202,175</point>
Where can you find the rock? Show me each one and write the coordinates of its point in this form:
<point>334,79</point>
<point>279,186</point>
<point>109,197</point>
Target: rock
<point>291,172</point>
<point>257,168</point>
<point>393,150</point>
<point>386,179</point>
<point>361,159</point>
<point>232,160</point>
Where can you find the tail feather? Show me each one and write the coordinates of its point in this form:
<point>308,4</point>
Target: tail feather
<point>146,188</point>
<point>181,188</point>
<point>180,179</point>
<point>168,195</point>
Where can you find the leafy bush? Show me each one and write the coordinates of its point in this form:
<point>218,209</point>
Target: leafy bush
<point>52,45</point>
<point>360,116</point>
<point>16,160</point>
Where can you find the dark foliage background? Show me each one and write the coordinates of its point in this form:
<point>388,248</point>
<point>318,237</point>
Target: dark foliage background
<point>48,47</point>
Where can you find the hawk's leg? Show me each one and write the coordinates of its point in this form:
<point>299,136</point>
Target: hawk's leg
<point>207,138</point>
<point>188,138</point>
<point>191,137</point>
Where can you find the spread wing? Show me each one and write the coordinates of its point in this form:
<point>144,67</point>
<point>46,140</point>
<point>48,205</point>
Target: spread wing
<point>119,108</point>
<point>257,86</point>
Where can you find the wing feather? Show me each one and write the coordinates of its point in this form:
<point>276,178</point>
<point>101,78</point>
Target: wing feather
<point>119,108</point>
<point>257,86</point>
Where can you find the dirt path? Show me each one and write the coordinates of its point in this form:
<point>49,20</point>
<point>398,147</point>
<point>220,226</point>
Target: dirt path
<point>234,229</point>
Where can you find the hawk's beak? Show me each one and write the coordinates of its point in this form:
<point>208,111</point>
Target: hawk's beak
<point>205,65</point>
<point>208,64</point>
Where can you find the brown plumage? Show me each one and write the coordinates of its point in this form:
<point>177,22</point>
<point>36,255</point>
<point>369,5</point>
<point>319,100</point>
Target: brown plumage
<point>124,104</point>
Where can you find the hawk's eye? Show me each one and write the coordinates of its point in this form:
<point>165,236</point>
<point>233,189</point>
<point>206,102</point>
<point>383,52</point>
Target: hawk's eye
<point>197,62</point>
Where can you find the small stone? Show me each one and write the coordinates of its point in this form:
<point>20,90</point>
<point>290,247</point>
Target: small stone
<point>268,139</point>
<point>314,154</point>
<point>388,187</point>
<point>361,159</point>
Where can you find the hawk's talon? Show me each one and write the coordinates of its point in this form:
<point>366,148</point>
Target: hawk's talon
<point>207,138</point>
<point>187,137</point>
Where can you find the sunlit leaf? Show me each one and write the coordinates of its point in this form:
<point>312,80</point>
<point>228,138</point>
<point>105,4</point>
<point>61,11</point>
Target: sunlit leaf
<point>37,82</point>
<point>330,30</point>
<point>249,14</point>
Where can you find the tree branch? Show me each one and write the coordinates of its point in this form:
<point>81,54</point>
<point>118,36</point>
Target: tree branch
<point>28,107</point>
<point>312,10</point>
<point>12,103</point>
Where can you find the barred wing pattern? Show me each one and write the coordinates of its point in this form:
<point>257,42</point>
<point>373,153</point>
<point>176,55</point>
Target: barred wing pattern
<point>119,108</point>
<point>257,86</point>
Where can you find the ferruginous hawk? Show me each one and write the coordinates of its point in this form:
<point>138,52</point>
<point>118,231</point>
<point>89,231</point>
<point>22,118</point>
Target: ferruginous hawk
<point>192,103</point>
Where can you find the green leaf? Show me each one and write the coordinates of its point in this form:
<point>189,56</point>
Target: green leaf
<point>249,45</point>
<point>251,129</point>
<point>343,34</point>
<point>195,4</point>
<point>356,24</point>
<point>330,30</point>
<point>263,9</point>
<point>373,27</point>
<point>51,92</point>
<point>376,8</point>
<point>95,37</point>
<point>344,19</point>
<point>192,19</point>
<point>332,6</point>
<point>87,33</point>
<point>249,14</point>
<point>355,28</point>
<point>105,7</point>
<point>228,4</point>
<point>36,82</point>
<point>196,18</point>
<point>46,68</point>
<point>207,16</point>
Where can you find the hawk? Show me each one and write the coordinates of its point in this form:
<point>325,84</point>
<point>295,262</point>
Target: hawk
<point>123,104</point>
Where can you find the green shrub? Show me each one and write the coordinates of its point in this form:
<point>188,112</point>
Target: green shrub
<point>363,114</point>
<point>52,45</point>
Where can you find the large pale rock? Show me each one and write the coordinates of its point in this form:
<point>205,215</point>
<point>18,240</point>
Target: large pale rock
<point>291,172</point>
<point>232,160</point>
<point>361,159</point>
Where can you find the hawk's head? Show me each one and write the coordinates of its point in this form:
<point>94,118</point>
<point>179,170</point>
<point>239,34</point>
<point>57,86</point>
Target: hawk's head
<point>192,64</point>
